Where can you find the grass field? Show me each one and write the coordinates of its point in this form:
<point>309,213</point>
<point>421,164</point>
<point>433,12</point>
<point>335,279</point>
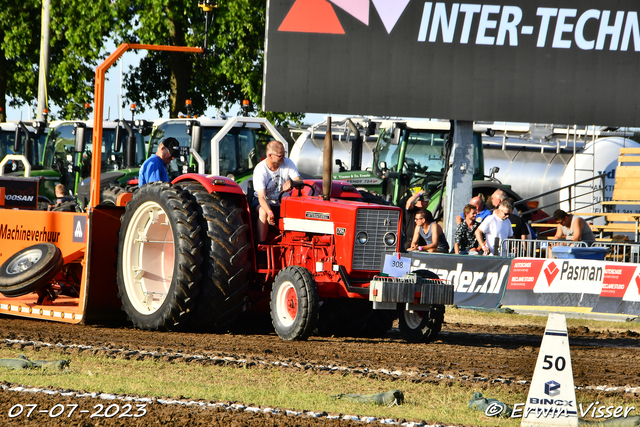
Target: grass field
<point>295,389</point>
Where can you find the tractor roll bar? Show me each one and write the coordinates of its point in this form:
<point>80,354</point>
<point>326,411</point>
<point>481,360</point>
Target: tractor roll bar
<point>98,113</point>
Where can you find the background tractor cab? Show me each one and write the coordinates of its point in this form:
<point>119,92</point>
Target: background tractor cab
<point>122,154</point>
<point>63,154</point>
<point>31,139</point>
<point>413,155</point>
<point>238,151</point>
<point>28,143</point>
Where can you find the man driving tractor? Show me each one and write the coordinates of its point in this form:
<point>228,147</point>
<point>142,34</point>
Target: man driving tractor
<point>272,176</point>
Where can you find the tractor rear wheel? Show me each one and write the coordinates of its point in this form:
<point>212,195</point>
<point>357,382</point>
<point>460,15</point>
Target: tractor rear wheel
<point>159,257</point>
<point>29,269</point>
<point>421,326</point>
<point>226,253</point>
<point>294,303</point>
<point>109,195</point>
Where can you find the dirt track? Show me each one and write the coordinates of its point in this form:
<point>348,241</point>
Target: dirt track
<point>464,353</point>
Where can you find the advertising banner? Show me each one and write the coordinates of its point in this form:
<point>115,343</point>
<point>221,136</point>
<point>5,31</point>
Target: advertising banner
<point>559,61</point>
<point>605,287</point>
<point>20,193</point>
<point>478,281</point>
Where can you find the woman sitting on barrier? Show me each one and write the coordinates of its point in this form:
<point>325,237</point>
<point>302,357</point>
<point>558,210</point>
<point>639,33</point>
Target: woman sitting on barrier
<point>466,241</point>
<point>431,232</point>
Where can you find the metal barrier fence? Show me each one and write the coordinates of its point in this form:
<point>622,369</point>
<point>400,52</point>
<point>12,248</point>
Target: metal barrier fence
<point>618,252</point>
<point>512,248</point>
<point>621,252</point>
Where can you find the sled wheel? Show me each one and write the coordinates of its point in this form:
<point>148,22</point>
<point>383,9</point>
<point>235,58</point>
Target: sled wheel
<point>30,269</point>
<point>109,195</point>
<point>421,326</point>
<point>159,257</point>
<point>294,304</point>
<point>226,251</point>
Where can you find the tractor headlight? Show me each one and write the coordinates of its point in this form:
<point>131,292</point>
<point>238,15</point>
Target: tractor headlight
<point>362,237</point>
<point>389,239</point>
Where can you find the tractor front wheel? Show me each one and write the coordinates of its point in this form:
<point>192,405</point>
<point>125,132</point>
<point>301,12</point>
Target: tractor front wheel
<point>420,326</point>
<point>294,304</point>
<point>159,257</point>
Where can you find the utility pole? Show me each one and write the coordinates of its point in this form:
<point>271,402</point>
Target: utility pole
<point>44,60</point>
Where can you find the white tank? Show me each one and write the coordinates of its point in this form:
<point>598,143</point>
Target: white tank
<point>599,156</point>
<point>528,168</point>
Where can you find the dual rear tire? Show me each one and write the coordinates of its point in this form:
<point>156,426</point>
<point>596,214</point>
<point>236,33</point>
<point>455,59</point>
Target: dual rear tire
<point>183,258</point>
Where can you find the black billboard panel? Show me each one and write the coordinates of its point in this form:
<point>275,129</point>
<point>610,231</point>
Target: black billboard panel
<point>20,193</point>
<point>557,61</point>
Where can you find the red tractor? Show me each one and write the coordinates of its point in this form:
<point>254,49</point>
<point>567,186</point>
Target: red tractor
<point>187,258</point>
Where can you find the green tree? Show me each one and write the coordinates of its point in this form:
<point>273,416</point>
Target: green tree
<point>78,31</point>
<point>19,45</point>
<point>230,72</point>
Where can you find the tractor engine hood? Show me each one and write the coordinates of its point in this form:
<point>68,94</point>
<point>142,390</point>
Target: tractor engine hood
<point>360,232</point>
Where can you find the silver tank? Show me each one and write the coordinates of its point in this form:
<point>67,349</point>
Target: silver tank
<point>529,168</point>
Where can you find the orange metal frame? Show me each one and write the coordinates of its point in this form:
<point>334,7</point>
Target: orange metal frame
<point>95,249</point>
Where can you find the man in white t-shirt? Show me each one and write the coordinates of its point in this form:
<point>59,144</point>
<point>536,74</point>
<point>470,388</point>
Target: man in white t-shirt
<point>495,225</point>
<point>271,176</point>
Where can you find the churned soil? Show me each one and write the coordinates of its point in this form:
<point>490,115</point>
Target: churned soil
<point>462,353</point>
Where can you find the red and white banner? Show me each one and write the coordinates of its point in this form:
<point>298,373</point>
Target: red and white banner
<point>604,286</point>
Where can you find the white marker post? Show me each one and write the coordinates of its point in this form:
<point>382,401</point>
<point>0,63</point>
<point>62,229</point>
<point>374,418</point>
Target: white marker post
<point>552,395</point>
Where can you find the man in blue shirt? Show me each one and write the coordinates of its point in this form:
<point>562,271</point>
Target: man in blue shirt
<point>481,210</point>
<point>155,167</point>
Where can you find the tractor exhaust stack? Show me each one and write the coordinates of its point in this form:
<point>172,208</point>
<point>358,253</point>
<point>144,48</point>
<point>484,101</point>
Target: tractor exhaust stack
<point>327,164</point>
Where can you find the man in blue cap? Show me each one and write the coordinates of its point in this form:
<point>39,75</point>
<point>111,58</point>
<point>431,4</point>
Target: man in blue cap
<point>155,167</point>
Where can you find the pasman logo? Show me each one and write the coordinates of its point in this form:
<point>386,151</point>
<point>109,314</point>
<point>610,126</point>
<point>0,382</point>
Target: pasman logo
<point>551,272</point>
<point>319,16</point>
<point>551,388</point>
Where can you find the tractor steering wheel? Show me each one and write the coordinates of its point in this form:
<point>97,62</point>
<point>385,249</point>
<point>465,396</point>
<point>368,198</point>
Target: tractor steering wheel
<point>297,186</point>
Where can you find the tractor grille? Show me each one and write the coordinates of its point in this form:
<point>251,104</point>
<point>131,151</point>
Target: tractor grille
<point>376,223</point>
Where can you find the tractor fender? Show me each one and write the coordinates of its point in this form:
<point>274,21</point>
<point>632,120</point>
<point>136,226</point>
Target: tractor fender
<point>212,183</point>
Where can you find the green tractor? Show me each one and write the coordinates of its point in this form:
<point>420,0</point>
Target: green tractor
<point>63,156</point>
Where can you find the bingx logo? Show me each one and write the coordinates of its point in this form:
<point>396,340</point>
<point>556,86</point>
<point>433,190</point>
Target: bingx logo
<point>319,16</point>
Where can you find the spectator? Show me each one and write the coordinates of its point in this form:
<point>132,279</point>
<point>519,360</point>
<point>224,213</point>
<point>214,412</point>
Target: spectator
<point>572,228</point>
<point>520,229</point>
<point>497,225</point>
<point>61,196</point>
<point>155,167</point>
<point>481,209</point>
<point>271,176</point>
<point>417,202</point>
<point>431,232</point>
<point>466,240</point>
<point>497,197</point>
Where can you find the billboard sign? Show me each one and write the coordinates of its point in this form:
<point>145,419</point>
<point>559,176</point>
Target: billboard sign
<point>554,61</point>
